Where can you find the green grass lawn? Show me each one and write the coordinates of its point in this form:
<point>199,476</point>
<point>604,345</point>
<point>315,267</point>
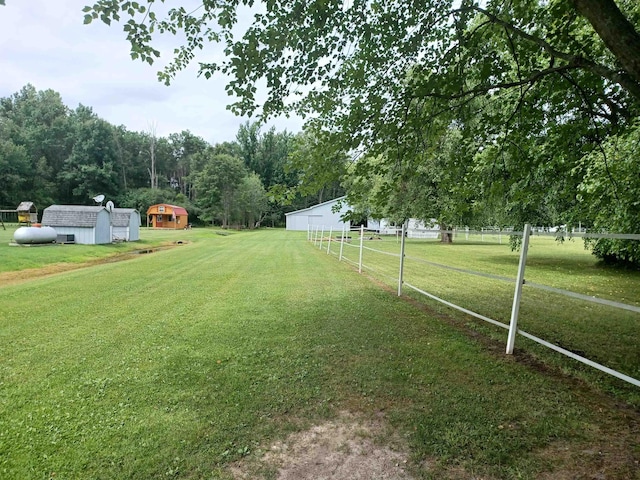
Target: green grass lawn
<point>601,333</point>
<point>13,258</point>
<point>177,363</point>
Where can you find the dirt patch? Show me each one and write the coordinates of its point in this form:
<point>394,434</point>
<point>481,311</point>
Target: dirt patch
<point>342,449</point>
<point>20,276</point>
<point>12,278</point>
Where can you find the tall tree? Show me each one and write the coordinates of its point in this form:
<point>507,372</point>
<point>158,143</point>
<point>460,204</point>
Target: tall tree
<point>89,169</point>
<point>252,204</point>
<point>152,140</point>
<point>38,121</point>
<point>14,173</point>
<point>217,185</point>
<point>184,146</point>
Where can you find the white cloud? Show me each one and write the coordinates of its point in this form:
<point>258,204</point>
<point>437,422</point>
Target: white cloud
<point>46,44</point>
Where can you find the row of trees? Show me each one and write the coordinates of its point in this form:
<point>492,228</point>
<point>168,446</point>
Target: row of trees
<point>467,111</point>
<point>50,154</point>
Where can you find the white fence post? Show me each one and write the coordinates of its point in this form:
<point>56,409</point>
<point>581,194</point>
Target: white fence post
<point>341,244</point>
<point>308,232</point>
<point>329,242</point>
<point>513,325</point>
<point>321,235</point>
<point>361,247</point>
<point>315,238</point>
<point>401,273</point>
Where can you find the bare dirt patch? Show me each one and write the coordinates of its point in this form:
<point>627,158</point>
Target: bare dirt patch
<point>341,449</point>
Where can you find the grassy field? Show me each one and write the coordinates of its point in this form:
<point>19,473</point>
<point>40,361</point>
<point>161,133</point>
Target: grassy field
<point>178,363</point>
<point>25,257</point>
<point>601,333</point>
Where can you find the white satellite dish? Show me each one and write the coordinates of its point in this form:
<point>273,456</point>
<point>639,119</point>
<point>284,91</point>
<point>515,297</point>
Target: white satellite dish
<point>109,206</point>
<point>98,199</point>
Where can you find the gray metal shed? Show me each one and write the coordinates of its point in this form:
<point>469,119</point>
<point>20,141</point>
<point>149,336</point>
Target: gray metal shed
<point>125,223</point>
<point>80,224</point>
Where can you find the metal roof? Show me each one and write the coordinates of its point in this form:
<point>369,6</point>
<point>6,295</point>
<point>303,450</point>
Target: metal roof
<point>71,216</point>
<point>316,206</point>
<point>175,208</point>
<point>120,217</point>
<point>26,207</point>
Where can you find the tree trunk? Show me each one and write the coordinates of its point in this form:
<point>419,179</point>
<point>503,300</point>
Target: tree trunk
<point>617,33</point>
<point>446,236</point>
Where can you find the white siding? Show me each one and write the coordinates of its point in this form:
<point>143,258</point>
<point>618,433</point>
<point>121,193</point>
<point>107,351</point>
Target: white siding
<point>384,227</point>
<point>121,233</point>
<point>82,235</point>
<point>134,227</point>
<point>319,215</point>
<point>417,229</point>
<point>103,228</point>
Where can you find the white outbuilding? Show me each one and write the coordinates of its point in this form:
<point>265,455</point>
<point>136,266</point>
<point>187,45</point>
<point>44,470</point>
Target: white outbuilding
<point>420,229</point>
<point>78,223</point>
<point>321,215</point>
<point>125,224</point>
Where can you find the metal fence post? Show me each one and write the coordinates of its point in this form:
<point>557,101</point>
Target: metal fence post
<point>342,243</point>
<point>513,325</point>
<point>321,235</point>
<point>401,273</point>
<point>329,242</point>
<point>361,247</point>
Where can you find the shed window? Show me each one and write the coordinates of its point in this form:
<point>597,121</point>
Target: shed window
<point>159,218</point>
<point>161,208</point>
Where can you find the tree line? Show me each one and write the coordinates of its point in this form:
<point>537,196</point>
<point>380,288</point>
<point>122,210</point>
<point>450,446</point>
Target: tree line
<point>471,112</point>
<point>52,154</point>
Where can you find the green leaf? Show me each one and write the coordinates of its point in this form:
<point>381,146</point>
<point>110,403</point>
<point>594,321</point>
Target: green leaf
<point>87,19</point>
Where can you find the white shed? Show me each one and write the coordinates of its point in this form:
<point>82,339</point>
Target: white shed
<point>383,226</point>
<point>418,229</point>
<point>125,223</point>
<point>79,224</point>
<point>320,215</point>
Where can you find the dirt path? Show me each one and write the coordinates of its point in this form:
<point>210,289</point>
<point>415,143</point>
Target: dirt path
<point>346,448</point>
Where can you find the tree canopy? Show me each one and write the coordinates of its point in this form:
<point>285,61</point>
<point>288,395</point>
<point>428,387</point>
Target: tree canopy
<point>50,153</point>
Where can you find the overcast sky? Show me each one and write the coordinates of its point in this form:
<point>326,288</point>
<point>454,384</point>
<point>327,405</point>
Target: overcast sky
<point>44,42</point>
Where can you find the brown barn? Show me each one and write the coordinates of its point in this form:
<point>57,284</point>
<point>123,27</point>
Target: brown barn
<point>164,215</point>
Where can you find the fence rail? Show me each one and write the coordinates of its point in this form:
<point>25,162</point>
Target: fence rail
<point>317,236</point>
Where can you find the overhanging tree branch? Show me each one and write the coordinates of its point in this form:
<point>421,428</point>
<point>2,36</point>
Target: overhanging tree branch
<point>629,79</point>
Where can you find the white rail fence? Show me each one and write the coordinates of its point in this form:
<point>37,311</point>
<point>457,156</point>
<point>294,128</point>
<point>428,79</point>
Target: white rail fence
<point>323,239</point>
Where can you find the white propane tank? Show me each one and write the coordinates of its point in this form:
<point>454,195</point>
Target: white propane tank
<point>31,235</point>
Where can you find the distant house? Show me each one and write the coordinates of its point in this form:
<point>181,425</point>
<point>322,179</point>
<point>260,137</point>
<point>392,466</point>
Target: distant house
<point>415,228</point>
<point>321,215</point>
<point>383,226</point>
<point>125,224</point>
<point>164,215</point>
<point>419,229</point>
<point>79,224</point>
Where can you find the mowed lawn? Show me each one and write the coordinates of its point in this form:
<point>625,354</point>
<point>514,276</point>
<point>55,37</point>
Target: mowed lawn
<point>177,363</point>
<point>598,332</point>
